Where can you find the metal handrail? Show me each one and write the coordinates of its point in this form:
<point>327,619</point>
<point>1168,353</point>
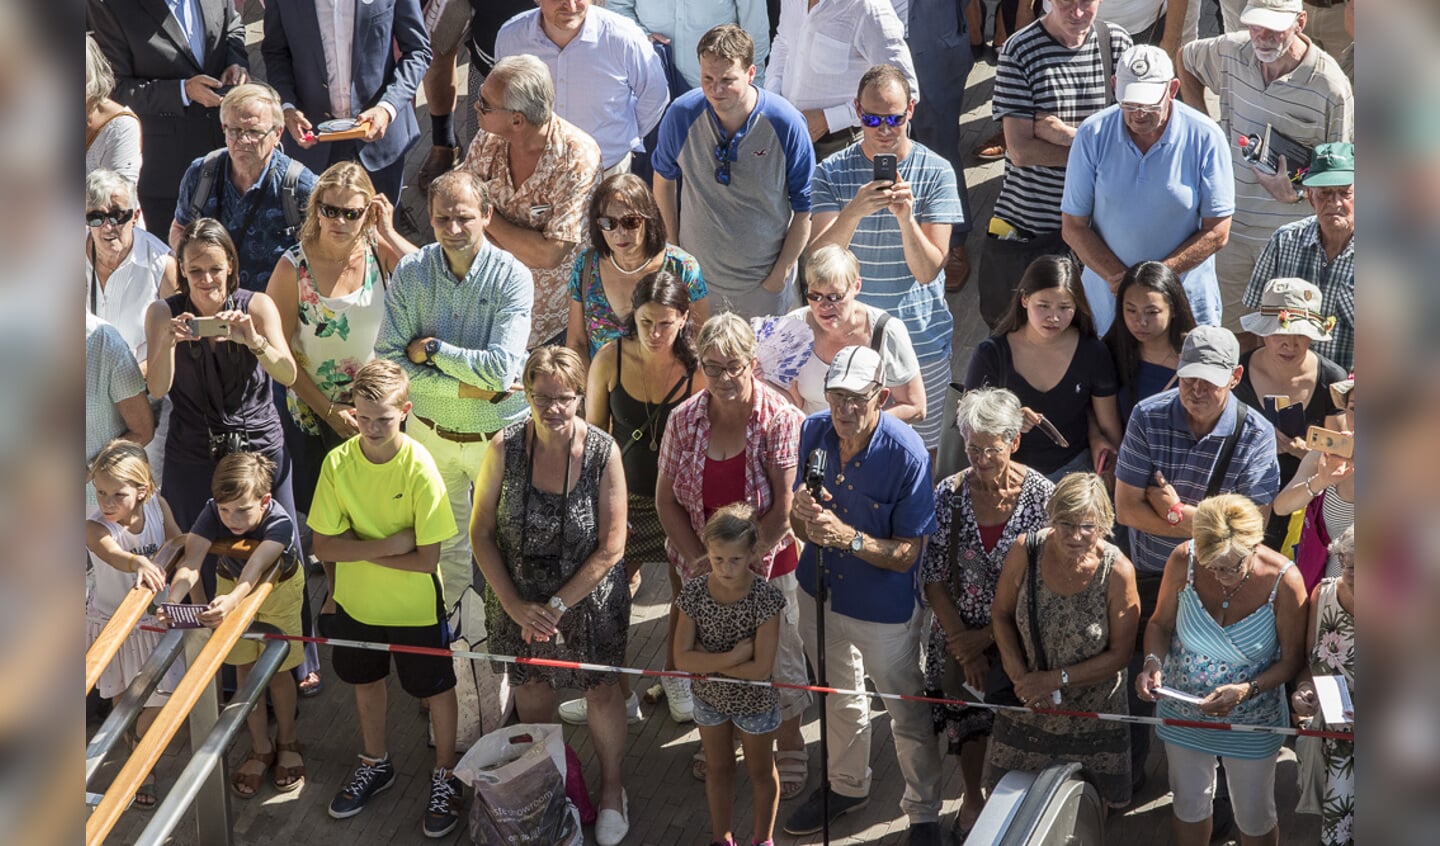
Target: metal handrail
<point>210,752</point>
<point>1034,819</point>
<point>127,709</point>
<point>122,623</point>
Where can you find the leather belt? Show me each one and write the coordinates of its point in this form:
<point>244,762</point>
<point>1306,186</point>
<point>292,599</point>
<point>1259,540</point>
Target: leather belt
<point>454,436</point>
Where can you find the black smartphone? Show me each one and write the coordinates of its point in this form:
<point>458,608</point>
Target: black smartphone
<point>223,90</point>
<point>885,166</point>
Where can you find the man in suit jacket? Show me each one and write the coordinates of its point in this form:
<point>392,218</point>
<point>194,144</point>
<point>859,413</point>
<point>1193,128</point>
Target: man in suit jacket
<point>169,58</point>
<point>347,68</point>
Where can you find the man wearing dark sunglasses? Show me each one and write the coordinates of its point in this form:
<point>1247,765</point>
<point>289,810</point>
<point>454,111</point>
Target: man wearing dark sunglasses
<point>748,162</point>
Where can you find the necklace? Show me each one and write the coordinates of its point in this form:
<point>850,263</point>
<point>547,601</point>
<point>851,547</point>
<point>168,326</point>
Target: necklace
<point>1225,600</point>
<point>650,416</point>
<point>616,265</point>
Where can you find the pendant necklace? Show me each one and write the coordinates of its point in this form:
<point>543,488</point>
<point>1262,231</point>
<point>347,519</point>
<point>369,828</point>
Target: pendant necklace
<point>1225,600</point>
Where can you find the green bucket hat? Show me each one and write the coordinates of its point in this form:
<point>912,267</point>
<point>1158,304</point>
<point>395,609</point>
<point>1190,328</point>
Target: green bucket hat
<point>1331,165</point>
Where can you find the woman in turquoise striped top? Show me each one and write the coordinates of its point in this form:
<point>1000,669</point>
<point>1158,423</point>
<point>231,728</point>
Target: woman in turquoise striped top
<point>1230,632</point>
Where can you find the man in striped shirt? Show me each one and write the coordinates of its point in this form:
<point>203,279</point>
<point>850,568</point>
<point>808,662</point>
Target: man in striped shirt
<point>1051,77</point>
<point>1268,74</point>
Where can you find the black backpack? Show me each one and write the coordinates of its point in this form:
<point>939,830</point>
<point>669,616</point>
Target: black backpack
<point>289,189</point>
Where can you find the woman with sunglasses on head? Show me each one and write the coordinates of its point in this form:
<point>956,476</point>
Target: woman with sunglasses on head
<point>838,320</point>
<point>1229,628</point>
<point>627,240</point>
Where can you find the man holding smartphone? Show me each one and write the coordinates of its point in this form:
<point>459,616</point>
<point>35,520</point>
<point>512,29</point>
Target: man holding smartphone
<point>892,202</point>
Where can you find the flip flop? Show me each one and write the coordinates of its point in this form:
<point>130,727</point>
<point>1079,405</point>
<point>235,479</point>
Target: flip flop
<point>147,791</point>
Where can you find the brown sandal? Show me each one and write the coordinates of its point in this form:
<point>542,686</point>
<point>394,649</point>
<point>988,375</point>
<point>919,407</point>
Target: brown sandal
<point>296,774</point>
<point>241,782</point>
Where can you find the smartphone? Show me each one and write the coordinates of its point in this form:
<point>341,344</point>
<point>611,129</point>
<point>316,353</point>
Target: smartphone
<point>1275,402</point>
<point>1287,417</point>
<point>209,327</point>
<point>1330,442</point>
<point>222,90</point>
<point>885,167</point>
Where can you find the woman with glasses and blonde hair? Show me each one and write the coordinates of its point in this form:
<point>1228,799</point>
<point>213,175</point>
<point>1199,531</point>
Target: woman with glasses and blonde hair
<point>1065,615</point>
<point>838,320</point>
<point>980,512</point>
<point>628,243</point>
<point>736,441</point>
<point>1229,628</point>
<point>548,531</point>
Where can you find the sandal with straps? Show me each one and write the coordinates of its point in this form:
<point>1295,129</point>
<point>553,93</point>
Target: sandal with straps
<point>295,774</point>
<point>241,782</point>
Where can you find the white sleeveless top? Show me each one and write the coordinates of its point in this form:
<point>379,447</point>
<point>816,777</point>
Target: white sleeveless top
<point>111,584</point>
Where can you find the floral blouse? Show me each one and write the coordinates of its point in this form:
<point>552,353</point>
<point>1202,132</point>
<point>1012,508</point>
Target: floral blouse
<point>602,325</point>
<point>334,336</point>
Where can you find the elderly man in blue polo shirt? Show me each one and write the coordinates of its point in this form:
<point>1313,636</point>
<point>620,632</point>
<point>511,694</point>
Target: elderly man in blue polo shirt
<point>876,509</point>
<point>1184,445</point>
<point>1148,178</point>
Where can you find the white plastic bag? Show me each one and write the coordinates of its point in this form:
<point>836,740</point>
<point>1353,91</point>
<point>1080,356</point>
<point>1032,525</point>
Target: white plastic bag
<point>518,773</point>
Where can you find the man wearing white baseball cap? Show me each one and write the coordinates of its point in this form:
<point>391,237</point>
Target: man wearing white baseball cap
<point>1148,179</point>
<point>1269,77</point>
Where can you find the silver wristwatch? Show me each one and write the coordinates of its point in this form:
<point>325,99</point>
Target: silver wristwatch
<point>857,543</point>
<point>558,604</point>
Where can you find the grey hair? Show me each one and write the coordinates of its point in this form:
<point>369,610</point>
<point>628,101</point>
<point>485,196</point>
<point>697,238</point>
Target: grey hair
<point>832,263</point>
<point>1344,546</point>
<point>99,78</point>
<point>989,411</point>
<point>257,92</point>
<point>102,184</point>
<point>529,89</point>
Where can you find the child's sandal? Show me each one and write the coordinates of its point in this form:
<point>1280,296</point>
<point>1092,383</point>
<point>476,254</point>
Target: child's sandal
<point>246,785</point>
<point>295,774</point>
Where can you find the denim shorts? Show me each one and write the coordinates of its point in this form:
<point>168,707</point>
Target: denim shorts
<point>705,715</point>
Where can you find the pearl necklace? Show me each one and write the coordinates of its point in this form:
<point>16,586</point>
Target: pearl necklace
<point>615,264</point>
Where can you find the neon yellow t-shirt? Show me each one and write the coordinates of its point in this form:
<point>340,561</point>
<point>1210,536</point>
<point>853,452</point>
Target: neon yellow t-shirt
<point>376,501</point>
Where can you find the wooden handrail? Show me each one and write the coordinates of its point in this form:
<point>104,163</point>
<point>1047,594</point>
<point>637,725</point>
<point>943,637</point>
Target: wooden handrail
<point>122,623</point>
<point>148,751</point>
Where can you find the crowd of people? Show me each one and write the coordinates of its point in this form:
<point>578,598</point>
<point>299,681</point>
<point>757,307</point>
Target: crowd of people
<point>693,249</point>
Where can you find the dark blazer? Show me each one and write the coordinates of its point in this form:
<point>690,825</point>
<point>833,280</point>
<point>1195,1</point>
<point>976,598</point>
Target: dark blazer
<point>295,65</point>
<point>150,58</point>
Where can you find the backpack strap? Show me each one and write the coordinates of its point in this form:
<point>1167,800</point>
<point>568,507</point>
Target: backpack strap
<point>290,194</point>
<point>1107,58</point>
<point>205,185</point>
<point>1227,449</point>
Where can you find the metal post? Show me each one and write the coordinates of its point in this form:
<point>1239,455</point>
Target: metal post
<point>822,596</point>
<point>212,803</point>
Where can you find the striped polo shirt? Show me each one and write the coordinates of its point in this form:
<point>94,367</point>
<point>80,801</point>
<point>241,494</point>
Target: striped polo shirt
<point>1036,75</point>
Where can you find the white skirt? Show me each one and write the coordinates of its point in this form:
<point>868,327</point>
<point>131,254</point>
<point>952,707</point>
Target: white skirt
<point>126,664</point>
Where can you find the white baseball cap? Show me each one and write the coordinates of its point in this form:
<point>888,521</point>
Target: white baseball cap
<point>1274,15</point>
<point>1144,75</point>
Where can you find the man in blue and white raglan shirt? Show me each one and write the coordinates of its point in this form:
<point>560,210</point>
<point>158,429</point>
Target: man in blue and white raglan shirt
<point>744,205</point>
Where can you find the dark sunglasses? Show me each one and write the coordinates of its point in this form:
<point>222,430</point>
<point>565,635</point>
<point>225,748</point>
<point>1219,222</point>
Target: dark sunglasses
<point>873,121</point>
<point>332,212</point>
<point>814,297</point>
<point>725,154</point>
<point>116,217</point>
<point>629,221</point>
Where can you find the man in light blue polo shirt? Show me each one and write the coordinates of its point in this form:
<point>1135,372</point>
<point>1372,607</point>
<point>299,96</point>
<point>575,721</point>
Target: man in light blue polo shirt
<point>1148,178</point>
<point>744,205</point>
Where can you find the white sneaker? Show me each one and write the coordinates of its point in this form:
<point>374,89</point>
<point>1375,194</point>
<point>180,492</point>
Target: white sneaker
<point>677,696</point>
<point>575,712</point>
<point>612,826</point>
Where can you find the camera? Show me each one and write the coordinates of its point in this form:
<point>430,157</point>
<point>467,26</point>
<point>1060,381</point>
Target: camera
<point>226,443</point>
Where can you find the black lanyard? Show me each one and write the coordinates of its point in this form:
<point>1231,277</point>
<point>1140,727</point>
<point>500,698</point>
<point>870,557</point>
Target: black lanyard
<point>94,283</point>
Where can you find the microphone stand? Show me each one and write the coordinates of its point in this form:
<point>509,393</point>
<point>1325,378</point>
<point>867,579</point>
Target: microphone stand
<point>822,595</point>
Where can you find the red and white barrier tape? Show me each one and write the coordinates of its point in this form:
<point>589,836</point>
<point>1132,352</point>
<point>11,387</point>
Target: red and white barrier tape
<point>634,671</point>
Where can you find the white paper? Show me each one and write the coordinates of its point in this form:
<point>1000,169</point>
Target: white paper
<point>1178,695</point>
<point>1335,704</point>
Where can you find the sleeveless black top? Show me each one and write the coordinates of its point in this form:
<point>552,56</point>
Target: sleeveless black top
<point>638,426</point>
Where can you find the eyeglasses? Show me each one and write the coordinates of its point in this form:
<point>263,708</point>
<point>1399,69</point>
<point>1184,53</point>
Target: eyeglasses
<point>726,153</point>
<point>843,400</point>
<point>1086,530</point>
<point>629,222</point>
<point>114,217</point>
<point>250,136</point>
<point>1136,108</point>
<point>988,453</point>
<point>542,401</point>
<point>484,108</point>
<point>816,297</point>
<point>873,121</point>
<point>332,212</point>
<point>1234,570</point>
<point>732,369</point>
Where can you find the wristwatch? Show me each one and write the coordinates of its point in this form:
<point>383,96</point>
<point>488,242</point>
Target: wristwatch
<point>857,543</point>
<point>1064,678</point>
<point>1175,514</point>
<point>558,604</point>
<point>432,346</point>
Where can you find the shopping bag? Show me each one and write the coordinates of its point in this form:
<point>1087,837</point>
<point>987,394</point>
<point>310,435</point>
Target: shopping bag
<point>518,773</point>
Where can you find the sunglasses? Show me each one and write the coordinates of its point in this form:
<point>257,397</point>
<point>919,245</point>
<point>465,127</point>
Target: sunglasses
<point>873,121</point>
<point>483,107</point>
<point>725,153</point>
<point>114,217</point>
<point>815,297</point>
<point>332,212</point>
<point>629,221</point>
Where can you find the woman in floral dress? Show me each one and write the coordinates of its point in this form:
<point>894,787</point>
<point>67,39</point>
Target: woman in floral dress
<point>1332,653</point>
<point>980,512</point>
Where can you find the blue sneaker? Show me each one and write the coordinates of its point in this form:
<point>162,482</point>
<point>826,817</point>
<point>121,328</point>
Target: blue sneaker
<point>443,813</point>
<point>367,780</point>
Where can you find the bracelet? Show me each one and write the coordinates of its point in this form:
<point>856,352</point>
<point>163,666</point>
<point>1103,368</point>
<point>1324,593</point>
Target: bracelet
<point>134,563</point>
<point>330,410</point>
<point>1309,489</point>
<point>262,346</point>
<point>1149,657</point>
<point>1250,691</point>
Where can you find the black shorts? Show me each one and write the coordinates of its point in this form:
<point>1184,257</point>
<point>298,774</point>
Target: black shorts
<point>421,676</point>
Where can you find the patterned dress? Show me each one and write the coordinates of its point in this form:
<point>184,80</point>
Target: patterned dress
<point>334,336</point>
<point>602,324</point>
<point>971,579</point>
<point>544,538</point>
<point>1335,655</point>
<point>1072,629</point>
